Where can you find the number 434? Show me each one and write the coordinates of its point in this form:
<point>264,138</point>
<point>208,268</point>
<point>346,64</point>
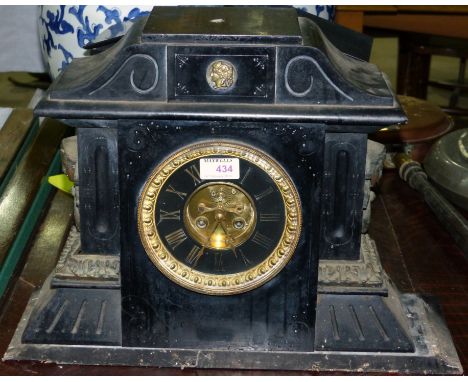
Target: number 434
<point>224,168</point>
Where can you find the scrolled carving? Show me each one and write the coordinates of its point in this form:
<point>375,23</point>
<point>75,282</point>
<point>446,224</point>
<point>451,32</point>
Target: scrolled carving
<point>304,93</point>
<point>134,86</point>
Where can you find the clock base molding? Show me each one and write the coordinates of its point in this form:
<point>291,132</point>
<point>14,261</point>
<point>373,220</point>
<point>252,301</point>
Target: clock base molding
<point>396,333</point>
<point>77,269</point>
<point>361,276</point>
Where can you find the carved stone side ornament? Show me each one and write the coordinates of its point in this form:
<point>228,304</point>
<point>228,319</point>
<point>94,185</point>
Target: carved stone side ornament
<point>367,272</point>
<point>69,155</point>
<point>74,267</point>
<point>374,164</point>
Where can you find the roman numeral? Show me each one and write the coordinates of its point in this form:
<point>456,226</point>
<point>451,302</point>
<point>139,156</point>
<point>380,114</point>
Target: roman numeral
<point>168,215</point>
<point>176,238</point>
<point>194,255</point>
<point>180,194</point>
<point>262,194</point>
<point>247,172</point>
<point>243,257</point>
<point>194,173</point>
<point>219,262</point>
<point>274,217</point>
<point>262,240</point>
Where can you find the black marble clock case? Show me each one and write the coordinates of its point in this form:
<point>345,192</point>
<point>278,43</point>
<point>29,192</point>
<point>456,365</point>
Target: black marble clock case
<point>299,99</point>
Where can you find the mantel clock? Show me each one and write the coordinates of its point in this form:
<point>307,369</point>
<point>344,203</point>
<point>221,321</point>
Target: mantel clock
<point>221,168</point>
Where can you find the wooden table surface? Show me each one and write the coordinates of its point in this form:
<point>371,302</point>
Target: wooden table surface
<point>442,20</point>
<point>417,253</point>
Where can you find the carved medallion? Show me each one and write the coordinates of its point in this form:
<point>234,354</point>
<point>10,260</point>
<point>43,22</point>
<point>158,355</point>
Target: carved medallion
<point>221,75</point>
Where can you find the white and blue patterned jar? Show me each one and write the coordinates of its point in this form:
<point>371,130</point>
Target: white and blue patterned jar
<point>65,29</point>
<point>326,12</point>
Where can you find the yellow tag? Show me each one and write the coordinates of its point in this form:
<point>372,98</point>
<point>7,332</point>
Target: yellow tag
<point>62,182</point>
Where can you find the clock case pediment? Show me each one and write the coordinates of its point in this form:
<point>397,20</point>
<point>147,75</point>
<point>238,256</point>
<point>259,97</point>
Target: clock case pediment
<point>286,68</point>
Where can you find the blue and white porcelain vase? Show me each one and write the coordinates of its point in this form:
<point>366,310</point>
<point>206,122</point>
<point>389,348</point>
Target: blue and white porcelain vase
<point>65,29</point>
<point>326,12</point>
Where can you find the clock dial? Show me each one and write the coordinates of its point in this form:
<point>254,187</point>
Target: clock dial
<point>219,217</point>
